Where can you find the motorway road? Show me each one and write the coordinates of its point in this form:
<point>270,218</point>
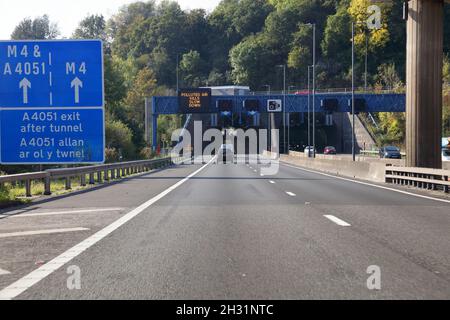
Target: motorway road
<point>230,233</point>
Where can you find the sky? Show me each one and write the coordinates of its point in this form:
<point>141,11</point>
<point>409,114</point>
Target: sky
<point>68,13</point>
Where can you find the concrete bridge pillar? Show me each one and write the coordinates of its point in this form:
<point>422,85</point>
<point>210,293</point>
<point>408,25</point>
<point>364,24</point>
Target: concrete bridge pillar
<point>424,83</point>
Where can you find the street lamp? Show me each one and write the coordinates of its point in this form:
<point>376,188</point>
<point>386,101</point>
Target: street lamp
<point>284,105</point>
<point>269,135</point>
<point>353,88</point>
<point>178,71</point>
<point>313,25</point>
<point>309,111</point>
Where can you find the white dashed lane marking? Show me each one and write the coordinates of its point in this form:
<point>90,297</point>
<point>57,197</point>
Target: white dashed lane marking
<point>4,272</point>
<point>39,232</point>
<point>291,194</point>
<point>55,213</point>
<point>338,221</point>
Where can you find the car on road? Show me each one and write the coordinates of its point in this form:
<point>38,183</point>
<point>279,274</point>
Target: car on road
<point>226,153</point>
<point>329,150</point>
<point>390,152</point>
<point>445,154</point>
<point>309,151</point>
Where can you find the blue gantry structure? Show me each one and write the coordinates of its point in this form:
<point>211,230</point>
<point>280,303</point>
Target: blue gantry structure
<point>294,103</point>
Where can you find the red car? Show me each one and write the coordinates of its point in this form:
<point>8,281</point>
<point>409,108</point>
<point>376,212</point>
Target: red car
<point>329,150</point>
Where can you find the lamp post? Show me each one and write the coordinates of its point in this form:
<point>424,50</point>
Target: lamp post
<point>353,92</point>
<point>366,62</point>
<point>284,106</point>
<point>309,111</point>
<point>353,88</point>
<point>313,25</point>
<point>269,135</point>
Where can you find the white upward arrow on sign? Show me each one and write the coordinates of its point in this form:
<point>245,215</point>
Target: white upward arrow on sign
<point>77,84</point>
<point>25,85</point>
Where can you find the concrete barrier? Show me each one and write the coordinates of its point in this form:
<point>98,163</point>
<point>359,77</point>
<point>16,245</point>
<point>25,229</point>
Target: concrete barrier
<point>365,170</point>
<point>342,165</point>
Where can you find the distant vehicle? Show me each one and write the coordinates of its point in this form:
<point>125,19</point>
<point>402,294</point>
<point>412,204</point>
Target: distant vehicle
<point>226,153</point>
<point>445,154</point>
<point>309,151</point>
<point>390,152</point>
<point>329,150</point>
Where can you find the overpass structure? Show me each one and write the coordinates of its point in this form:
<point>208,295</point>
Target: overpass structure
<point>423,101</point>
<point>293,104</point>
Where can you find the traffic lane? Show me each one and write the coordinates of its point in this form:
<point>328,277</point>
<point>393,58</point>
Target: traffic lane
<point>331,190</point>
<point>414,227</point>
<point>92,210</point>
<point>127,192</point>
<point>191,247</point>
<point>229,234</point>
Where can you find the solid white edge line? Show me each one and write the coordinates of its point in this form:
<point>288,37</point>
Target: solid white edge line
<point>40,232</point>
<point>338,221</point>
<point>367,184</point>
<point>23,284</point>
<point>40,214</point>
<point>4,272</point>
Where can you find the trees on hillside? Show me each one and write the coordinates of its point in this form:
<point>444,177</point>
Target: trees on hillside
<point>39,28</point>
<point>239,42</point>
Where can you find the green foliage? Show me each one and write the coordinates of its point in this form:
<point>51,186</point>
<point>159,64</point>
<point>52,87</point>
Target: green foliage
<point>239,42</point>
<point>119,140</point>
<point>143,86</point>
<point>249,60</point>
<point>167,124</point>
<point>388,78</point>
<point>39,28</point>
<point>192,68</point>
<point>446,70</point>
<point>91,27</point>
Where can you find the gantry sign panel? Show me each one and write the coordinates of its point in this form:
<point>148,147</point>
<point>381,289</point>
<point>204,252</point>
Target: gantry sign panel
<point>194,100</point>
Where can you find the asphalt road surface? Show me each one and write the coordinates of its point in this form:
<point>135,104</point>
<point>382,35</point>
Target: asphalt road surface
<point>226,232</point>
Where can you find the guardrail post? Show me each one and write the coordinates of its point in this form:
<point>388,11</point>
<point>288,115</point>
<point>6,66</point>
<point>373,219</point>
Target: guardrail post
<point>68,183</point>
<point>99,177</point>
<point>83,180</point>
<point>47,186</point>
<point>106,175</point>
<point>28,188</point>
<point>113,174</point>
<point>91,178</point>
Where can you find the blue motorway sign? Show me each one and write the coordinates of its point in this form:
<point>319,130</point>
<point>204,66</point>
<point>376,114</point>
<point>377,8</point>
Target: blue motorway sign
<point>47,136</point>
<point>51,102</point>
<point>59,73</point>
